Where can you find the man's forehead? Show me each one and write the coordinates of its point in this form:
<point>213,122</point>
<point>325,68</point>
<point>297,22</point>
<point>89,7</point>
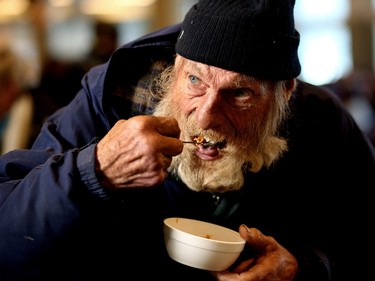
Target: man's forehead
<point>210,72</point>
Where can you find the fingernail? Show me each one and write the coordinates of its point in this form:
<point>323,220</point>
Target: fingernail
<point>247,229</point>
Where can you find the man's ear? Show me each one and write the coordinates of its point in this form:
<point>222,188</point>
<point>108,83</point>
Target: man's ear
<point>290,86</point>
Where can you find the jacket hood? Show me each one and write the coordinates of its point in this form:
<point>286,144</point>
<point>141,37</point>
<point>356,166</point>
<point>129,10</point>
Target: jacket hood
<point>110,82</point>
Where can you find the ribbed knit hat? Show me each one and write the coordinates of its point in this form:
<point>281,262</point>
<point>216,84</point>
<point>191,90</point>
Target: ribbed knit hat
<point>254,37</point>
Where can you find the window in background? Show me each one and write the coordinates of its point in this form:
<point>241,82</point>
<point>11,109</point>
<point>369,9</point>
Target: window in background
<point>69,40</point>
<point>325,48</point>
<point>184,7</point>
<point>131,30</point>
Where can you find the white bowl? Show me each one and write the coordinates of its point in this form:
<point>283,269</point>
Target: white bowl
<point>201,244</point>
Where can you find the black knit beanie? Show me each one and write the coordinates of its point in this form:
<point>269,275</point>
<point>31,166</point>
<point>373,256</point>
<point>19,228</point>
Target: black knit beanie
<point>254,37</point>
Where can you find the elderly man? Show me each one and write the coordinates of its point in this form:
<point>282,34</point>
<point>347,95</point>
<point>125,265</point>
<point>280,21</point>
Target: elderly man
<point>203,120</point>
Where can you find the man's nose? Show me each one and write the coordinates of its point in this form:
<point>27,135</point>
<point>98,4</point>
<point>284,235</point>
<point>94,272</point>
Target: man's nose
<point>209,112</point>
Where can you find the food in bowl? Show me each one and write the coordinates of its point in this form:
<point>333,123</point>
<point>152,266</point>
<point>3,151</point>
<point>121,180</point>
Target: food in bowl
<point>201,244</point>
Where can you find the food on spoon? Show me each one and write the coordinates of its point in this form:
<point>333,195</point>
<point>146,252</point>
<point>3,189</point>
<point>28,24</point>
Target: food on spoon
<point>199,140</point>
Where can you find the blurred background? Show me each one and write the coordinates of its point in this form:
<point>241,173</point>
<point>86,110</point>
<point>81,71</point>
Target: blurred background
<point>59,40</point>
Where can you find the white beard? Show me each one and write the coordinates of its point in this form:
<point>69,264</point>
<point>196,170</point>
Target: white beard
<point>220,175</point>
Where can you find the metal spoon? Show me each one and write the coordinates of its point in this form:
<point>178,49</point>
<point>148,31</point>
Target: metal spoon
<point>220,144</point>
<point>205,144</point>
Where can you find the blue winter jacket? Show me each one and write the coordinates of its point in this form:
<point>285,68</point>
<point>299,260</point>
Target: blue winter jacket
<point>58,223</point>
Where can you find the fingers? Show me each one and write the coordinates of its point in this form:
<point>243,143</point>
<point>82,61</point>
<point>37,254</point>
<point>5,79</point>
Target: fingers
<point>171,147</point>
<point>137,152</point>
<point>272,260</point>
<point>256,239</point>
<point>167,126</point>
<point>160,134</point>
<point>243,266</point>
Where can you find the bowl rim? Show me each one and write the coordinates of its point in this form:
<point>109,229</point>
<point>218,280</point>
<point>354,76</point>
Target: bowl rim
<point>211,244</point>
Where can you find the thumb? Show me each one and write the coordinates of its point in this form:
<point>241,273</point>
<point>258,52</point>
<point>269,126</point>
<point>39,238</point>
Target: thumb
<point>255,238</point>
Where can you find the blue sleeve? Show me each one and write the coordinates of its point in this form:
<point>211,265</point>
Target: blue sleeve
<point>86,167</point>
<point>45,191</point>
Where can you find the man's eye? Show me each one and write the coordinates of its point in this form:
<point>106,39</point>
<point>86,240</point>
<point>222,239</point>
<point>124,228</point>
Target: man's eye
<point>194,79</point>
<point>239,97</point>
<point>241,93</point>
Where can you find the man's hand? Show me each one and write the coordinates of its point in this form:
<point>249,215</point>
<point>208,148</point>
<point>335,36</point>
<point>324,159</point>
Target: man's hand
<point>137,152</point>
<point>272,261</point>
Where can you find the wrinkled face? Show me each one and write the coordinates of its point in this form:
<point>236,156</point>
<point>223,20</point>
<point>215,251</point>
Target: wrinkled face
<point>236,114</point>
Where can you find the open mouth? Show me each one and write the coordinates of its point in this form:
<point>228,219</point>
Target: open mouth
<point>200,140</point>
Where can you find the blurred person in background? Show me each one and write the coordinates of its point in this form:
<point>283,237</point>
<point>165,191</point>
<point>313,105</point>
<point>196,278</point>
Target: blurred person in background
<point>269,155</point>
<point>61,80</point>
<point>357,91</point>
<point>16,102</point>
<point>104,44</point>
